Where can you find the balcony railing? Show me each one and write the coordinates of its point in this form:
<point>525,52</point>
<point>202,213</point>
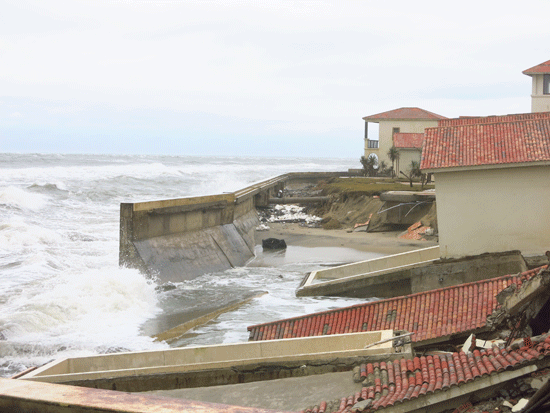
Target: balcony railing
<point>372,144</point>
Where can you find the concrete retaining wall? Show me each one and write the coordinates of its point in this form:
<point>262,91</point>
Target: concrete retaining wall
<point>377,264</point>
<point>412,272</point>
<point>180,239</point>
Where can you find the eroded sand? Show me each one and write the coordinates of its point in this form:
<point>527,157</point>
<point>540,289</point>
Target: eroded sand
<point>378,242</point>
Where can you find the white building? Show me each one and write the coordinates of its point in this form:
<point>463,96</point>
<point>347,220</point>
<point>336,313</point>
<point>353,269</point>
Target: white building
<point>493,183</point>
<point>398,121</point>
<point>540,95</point>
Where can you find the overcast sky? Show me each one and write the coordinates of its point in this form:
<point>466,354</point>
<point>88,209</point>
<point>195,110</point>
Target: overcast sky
<point>265,77</point>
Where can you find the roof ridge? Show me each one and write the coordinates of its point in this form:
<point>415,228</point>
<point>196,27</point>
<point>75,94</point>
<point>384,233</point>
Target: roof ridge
<point>410,112</point>
<point>527,120</point>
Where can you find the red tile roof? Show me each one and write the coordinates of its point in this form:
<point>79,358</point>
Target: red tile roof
<point>538,69</point>
<point>486,144</point>
<point>405,114</point>
<point>389,383</point>
<point>471,120</point>
<point>430,315</point>
<point>408,140</point>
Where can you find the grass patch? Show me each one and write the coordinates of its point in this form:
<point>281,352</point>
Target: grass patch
<point>367,186</point>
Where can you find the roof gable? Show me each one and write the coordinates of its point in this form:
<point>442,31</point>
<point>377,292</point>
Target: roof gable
<point>408,140</point>
<point>538,69</point>
<point>405,114</point>
<point>486,144</point>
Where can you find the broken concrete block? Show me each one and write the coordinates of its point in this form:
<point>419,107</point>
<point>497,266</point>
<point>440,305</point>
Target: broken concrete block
<point>520,405</point>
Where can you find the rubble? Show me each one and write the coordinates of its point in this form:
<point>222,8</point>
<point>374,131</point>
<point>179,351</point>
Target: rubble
<point>507,370</point>
<point>491,380</point>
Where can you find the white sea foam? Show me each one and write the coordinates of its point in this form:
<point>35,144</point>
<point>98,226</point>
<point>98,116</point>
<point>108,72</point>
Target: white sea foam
<point>17,233</point>
<point>61,290</point>
<point>14,196</point>
<point>96,309</point>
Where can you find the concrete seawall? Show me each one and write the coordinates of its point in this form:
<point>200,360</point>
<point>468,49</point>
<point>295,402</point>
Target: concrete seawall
<point>180,239</point>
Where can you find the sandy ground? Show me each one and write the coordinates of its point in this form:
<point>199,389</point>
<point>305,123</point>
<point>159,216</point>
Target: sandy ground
<point>379,242</point>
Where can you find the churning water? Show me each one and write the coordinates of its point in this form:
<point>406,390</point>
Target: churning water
<point>62,292</point>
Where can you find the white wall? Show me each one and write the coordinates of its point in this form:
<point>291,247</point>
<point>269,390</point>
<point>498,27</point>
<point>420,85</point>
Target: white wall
<point>406,156</point>
<point>539,101</point>
<point>386,137</point>
<point>494,210</point>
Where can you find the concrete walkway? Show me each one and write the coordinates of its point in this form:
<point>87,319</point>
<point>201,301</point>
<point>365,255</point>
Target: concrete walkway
<point>292,394</point>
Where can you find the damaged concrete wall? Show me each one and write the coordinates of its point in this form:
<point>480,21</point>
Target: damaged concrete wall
<point>445,273</point>
<point>411,278</point>
<point>180,239</point>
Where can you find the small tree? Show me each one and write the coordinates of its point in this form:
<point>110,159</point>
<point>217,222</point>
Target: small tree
<point>382,168</point>
<point>369,164</point>
<point>414,172</point>
<point>393,154</point>
<point>415,169</point>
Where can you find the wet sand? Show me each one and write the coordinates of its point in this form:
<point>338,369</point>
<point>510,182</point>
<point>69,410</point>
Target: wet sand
<point>377,242</point>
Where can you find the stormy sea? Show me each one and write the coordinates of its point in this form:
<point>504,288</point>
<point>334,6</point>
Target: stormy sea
<point>62,292</point>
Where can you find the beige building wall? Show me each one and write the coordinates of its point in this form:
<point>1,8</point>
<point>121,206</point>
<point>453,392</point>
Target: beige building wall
<point>406,156</point>
<point>385,134</point>
<point>539,101</point>
<point>494,210</point>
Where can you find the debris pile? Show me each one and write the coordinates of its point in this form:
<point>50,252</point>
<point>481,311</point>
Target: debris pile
<point>418,232</point>
<point>520,371</point>
<point>507,370</point>
<point>289,213</point>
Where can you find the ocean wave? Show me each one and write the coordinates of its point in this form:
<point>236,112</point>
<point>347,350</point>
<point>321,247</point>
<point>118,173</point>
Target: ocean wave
<point>97,311</point>
<point>20,198</point>
<point>16,233</point>
<point>48,187</point>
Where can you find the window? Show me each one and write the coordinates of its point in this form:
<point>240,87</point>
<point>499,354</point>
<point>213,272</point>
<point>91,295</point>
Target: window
<point>395,130</point>
<point>546,85</point>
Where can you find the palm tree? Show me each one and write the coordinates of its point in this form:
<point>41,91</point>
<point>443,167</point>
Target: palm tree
<point>414,172</point>
<point>415,169</point>
<point>393,154</point>
<point>369,164</point>
<point>382,168</point>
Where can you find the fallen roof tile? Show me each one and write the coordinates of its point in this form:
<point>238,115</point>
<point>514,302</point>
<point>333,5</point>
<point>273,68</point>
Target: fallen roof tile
<point>444,372</point>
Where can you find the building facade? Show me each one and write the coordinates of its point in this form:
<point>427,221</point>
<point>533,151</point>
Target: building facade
<point>493,183</point>
<point>398,122</point>
<point>540,95</point>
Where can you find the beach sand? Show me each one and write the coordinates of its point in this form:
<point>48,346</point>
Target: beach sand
<point>378,242</point>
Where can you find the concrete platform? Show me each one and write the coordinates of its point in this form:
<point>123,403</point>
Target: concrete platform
<point>408,273</point>
<point>220,364</point>
<point>383,277</point>
<point>291,394</point>
<point>32,397</point>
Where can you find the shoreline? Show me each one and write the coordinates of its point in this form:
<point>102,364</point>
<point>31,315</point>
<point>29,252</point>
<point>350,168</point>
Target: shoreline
<point>386,243</point>
<point>332,242</point>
